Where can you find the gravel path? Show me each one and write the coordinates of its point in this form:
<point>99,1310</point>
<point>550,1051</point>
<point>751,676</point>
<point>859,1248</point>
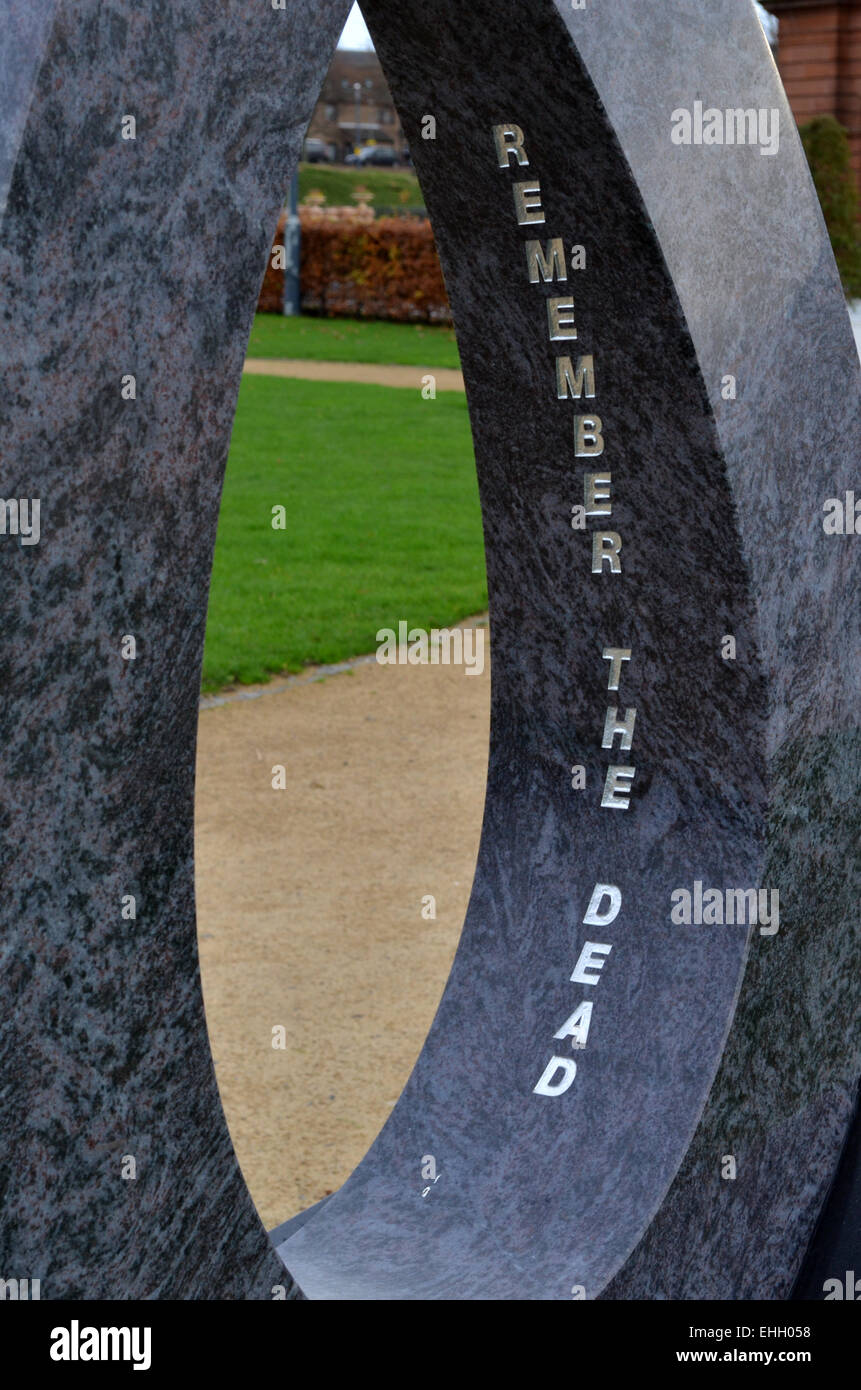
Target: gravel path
<point>309,903</point>
<point>364,372</point>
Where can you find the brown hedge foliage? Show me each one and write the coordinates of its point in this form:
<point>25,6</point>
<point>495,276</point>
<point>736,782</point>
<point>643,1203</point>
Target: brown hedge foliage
<point>355,266</point>
<point>272,290</point>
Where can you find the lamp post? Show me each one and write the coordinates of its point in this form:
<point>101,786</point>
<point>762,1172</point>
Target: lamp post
<point>291,303</point>
<point>357,93</point>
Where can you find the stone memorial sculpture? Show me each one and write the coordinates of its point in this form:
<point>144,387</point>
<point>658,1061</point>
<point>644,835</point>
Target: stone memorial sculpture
<point>643,1071</point>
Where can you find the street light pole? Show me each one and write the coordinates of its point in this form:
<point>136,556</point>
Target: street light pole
<point>357,91</point>
<point>291,303</point>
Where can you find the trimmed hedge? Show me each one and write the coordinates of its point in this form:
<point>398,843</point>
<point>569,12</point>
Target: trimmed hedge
<point>826,145</point>
<point>354,265</point>
<point>357,266</point>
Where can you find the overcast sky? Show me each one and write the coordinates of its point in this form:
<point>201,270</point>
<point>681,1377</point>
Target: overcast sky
<point>355,33</point>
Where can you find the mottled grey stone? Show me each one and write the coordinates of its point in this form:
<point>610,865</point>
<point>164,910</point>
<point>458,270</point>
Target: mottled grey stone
<point>117,256</point>
<point>145,257</point>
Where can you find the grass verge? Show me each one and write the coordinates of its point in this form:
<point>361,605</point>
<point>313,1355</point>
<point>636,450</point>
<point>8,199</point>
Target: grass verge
<point>382,523</point>
<point>353,340</point>
<point>389,188</point>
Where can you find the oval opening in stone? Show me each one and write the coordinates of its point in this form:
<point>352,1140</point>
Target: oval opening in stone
<point>331,895</point>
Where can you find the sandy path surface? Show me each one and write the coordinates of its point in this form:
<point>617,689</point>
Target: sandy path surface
<point>365,372</point>
<point>309,904</point>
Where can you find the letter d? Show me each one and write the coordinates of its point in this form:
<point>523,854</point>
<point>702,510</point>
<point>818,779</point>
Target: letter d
<point>545,1086</point>
<point>594,916</point>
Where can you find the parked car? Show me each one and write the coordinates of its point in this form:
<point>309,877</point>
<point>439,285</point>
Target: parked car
<point>316,151</point>
<point>375,154</point>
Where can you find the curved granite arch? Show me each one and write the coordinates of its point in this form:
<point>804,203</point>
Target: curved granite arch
<point>144,256</point>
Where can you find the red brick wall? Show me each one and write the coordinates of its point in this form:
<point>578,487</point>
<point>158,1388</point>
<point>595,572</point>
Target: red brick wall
<point>819,56</point>
<point>849,109</point>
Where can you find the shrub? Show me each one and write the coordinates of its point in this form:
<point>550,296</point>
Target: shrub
<point>827,148</point>
<point>357,266</point>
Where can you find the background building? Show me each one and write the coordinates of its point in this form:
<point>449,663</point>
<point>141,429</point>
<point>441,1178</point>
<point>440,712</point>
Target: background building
<point>355,105</point>
<point>819,57</point>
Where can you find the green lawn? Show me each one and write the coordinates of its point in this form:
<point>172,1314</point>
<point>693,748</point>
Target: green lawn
<point>383,524</point>
<point>389,188</point>
<point>353,340</point>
